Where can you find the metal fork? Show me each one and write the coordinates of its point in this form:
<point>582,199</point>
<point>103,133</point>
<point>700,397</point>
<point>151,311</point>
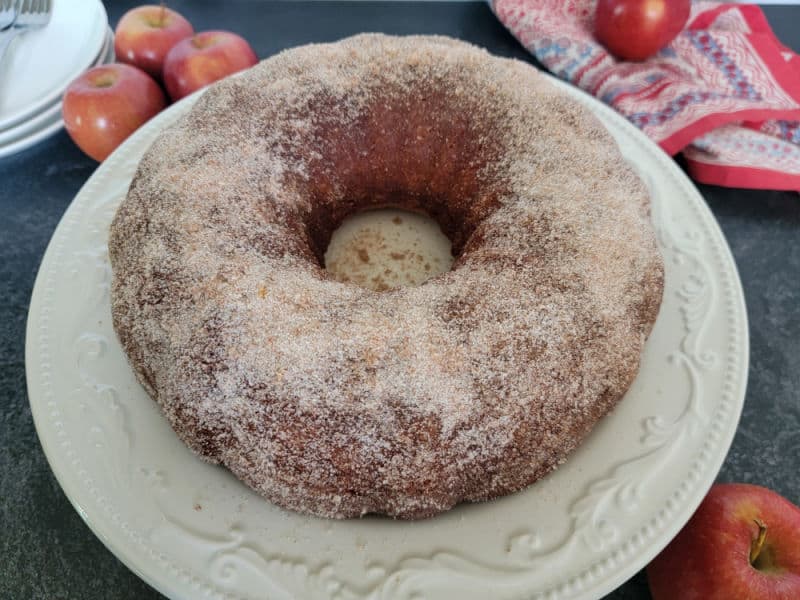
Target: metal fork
<point>31,14</point>
<point>8,13</point>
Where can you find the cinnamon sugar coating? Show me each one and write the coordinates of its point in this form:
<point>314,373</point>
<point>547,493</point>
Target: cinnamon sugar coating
<point>335,400</point>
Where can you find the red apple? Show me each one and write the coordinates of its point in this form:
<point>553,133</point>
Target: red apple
<point>106,104</point>
<point>203,59</point>
<point>636,29</point>
<point>146,34</point>
<point>743,543</point>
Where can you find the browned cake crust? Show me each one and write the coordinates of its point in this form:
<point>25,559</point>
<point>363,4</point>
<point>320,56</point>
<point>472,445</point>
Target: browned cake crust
<point>335,400</point>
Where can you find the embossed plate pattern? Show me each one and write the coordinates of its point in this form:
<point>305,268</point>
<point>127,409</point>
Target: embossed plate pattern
<point>193,531</point>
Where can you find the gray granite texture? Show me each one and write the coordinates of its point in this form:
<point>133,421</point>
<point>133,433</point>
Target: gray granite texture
<point>48,553</point>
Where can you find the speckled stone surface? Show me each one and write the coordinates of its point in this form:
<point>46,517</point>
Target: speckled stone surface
<point>48,553</point>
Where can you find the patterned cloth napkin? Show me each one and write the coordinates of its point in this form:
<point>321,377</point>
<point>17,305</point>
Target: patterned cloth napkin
<point>726,92</point>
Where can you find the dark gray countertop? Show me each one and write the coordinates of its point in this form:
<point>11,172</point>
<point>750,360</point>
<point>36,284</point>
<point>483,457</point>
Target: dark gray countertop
<point>48,553</point>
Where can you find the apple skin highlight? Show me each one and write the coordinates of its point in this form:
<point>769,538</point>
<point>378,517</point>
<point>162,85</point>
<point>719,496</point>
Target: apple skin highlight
<point>106,104</point>
<point>710,559</point>
<point>638,29</point>
<point>204,58</point>
<point>144,36</point>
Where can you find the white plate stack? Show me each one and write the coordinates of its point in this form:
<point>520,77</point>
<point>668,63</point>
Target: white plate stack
<point>40,64</point>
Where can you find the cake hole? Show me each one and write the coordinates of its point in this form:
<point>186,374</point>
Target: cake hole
<point>385,248</point>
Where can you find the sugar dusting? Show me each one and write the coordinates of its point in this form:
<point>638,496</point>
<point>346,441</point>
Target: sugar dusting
<point>337,400</point>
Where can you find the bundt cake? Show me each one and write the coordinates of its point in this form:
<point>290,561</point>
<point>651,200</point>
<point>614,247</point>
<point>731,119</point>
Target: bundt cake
<point>336,400</point>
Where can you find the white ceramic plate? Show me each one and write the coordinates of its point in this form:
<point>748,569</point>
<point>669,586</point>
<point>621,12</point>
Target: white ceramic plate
<point>44,124</point>
<point>193,531</point>
<point>47,129</point>
<point>40,64</point>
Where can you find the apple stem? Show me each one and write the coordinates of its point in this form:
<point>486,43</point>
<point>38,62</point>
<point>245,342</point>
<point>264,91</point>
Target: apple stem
<point>162,14</point>
<point>758,542</point>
